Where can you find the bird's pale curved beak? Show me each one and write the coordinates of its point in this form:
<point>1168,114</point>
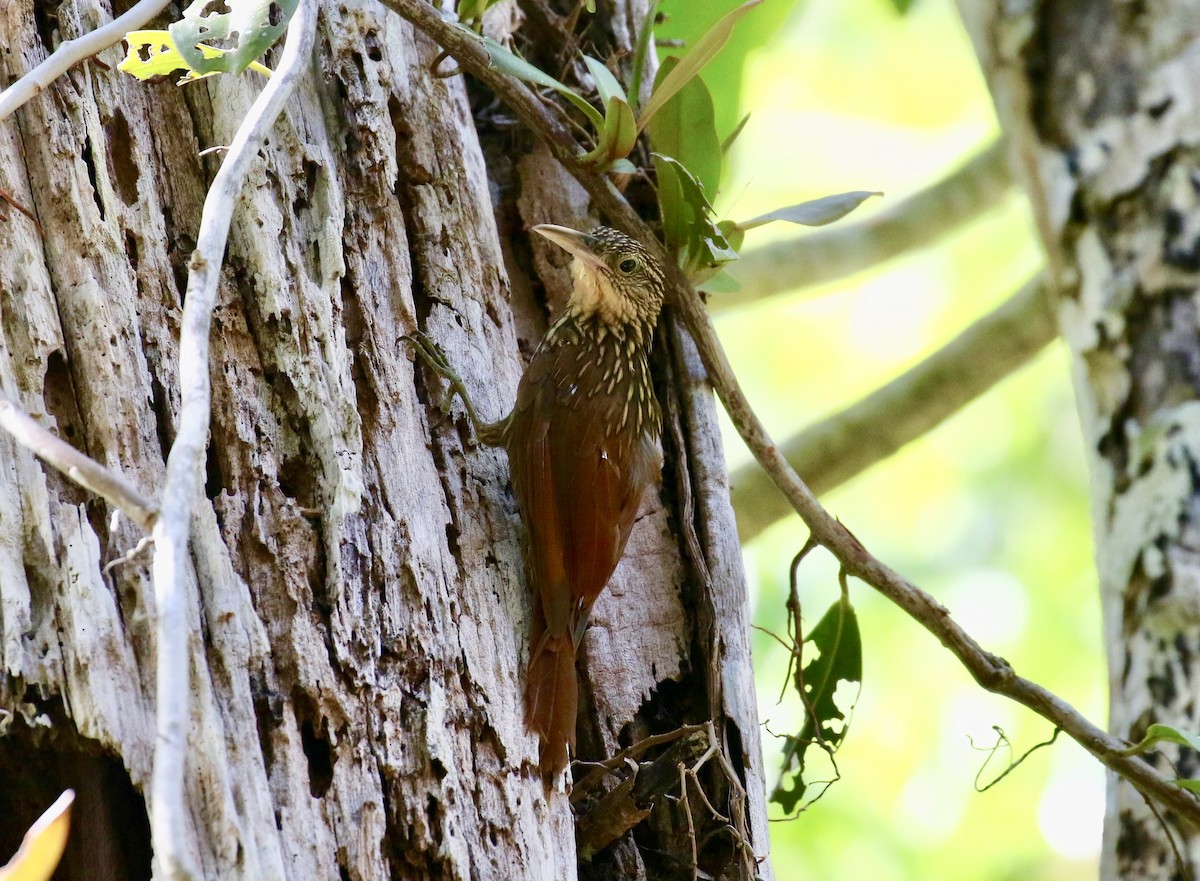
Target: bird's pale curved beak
<point>580,245</point>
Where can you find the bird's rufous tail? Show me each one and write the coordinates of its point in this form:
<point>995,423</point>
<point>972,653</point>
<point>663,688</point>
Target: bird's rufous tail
<point>552,698</point>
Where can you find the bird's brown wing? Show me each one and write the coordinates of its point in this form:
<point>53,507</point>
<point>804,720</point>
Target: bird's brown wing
<point>578,488</point>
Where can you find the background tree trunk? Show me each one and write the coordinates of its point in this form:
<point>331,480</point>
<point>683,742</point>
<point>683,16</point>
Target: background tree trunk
<point>1099,103</point>
<point>359,615</point>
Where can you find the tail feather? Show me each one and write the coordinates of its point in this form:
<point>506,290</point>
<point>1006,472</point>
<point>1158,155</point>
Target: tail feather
<point>552,699</point>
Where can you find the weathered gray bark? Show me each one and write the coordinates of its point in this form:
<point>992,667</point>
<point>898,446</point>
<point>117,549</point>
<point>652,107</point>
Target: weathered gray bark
<point>359,613</point>
<point>1099,102</point>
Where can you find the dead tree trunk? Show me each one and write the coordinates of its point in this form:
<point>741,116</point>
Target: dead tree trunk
<point>359,627</point>
<point>1099,101</point>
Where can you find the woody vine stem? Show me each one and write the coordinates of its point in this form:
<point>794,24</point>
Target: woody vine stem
<point>990,671</point>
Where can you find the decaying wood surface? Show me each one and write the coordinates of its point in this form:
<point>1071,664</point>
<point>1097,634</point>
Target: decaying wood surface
<point>1099,103</point>
<point>358,602</point>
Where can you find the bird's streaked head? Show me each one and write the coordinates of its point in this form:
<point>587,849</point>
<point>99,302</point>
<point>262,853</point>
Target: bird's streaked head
<point>615,278</point>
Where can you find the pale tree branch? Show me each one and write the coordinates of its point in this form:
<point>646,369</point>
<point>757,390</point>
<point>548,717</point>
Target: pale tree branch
<point>114,488</point>
<point>169,813</point>
<point>70,53</point>
<point>829,254</point>
<point>991,672</point>
<point>845,444</point>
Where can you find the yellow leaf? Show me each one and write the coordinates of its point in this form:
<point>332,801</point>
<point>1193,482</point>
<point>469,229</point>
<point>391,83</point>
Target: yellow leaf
<point>42,847</point>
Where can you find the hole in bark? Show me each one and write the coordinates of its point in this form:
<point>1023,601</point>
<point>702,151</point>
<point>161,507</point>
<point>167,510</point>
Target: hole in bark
<point>1156,111</point>
<point>162,414</point>
<point>371,42</point>
<point>295,479</point>
<point>452,534</point>
<point>120,153</point>
<point>131,252</point>
<point>268,714</point>
<point>319,755</point>
<point>59,399</point>
<point>90,161</point>
<point>110,835</point>
<point>45,18</point>
<point>59,396</point>
<point>179,253</point>
<point>214,479</point>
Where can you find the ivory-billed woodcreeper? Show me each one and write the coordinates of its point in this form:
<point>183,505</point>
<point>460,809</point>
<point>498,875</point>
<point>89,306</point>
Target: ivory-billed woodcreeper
<point>582,444</point>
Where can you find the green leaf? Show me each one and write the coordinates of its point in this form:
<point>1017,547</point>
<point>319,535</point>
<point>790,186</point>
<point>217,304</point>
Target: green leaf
<point>733,233</point>
<point>513,65</point>
<point>640,50</point>
<point>839,659</point>
<point>617,136</point>
<point>1189,785</point>
<point>902,6</point>
<point>672,208</point>
<point>244,33</point>
<point>815,212</point>
<point>691,63</point>
<point>732,137</point>
<point>687,220</point>
<point>1157,734</point>
<point>606,83</point>
<point>721,283</point>
<point>473,10</point>
<point>685,129</point>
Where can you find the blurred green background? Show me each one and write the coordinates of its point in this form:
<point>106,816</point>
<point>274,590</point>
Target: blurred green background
<point>988,512</point>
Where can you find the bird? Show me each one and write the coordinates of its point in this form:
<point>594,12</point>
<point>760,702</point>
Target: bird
<point>583,447</point>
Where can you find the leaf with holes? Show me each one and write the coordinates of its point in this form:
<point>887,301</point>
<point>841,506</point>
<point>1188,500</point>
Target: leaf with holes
<point>42,846</point>
<point>838,660</point>
<point>243,29</point>
<point>153,53</point>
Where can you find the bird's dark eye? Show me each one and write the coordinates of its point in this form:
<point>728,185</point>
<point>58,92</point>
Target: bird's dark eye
<point>627,265</point>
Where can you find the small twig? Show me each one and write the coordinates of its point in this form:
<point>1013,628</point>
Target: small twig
<point>826,255</point>
<point>1184,867</point>
<point>130,555</point>
<point>618,760</point>
<point>1002,740</point>
<point>11,200</point>
<point>70,53</point>
<point>170,815</point>
<point>795,626</point>
<point>838,448</point>
<point>991,672</point>
<point>114,488</point>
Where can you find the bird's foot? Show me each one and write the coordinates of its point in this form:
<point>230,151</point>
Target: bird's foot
<point>431,354</point>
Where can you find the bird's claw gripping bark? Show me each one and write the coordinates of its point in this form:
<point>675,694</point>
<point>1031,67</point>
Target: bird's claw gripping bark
<point>431,354</point>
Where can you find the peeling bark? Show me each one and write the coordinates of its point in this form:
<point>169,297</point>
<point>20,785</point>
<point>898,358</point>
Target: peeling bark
<point>357,594</point>
<point>1099,102</point>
